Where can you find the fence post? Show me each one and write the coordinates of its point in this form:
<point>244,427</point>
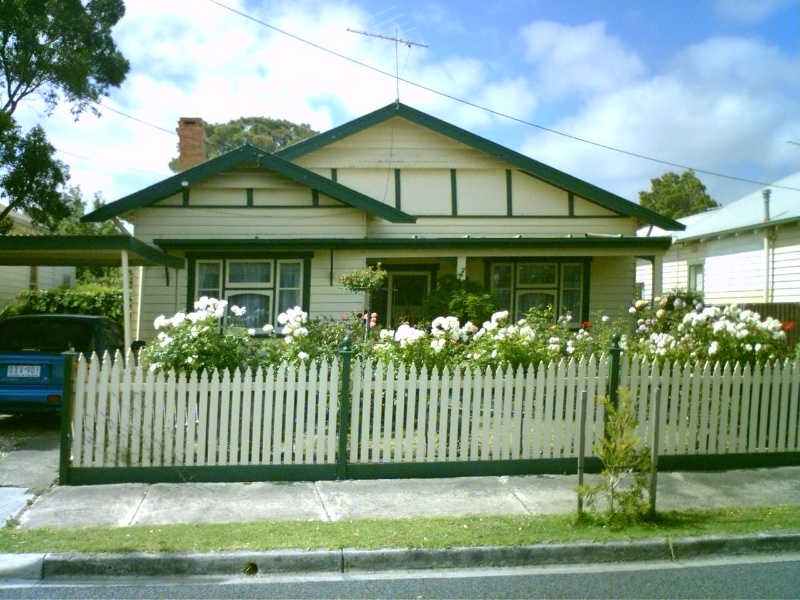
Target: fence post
<point>581,448</point>
<point>656,417</point>
<point>67,391</point>
<point>613,369</point>
<point>346,351</point>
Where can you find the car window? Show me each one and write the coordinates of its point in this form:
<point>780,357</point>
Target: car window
<point>114,337</point>
<point>46,335</point>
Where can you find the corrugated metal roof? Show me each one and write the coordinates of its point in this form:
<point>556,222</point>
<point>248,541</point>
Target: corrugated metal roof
<point>745,213</point>
<point>748,212</point>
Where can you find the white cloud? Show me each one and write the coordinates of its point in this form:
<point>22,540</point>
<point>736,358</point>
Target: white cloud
<point>748,11</point>
<point>716,103</point>
<point>581,58</point>
<point>719,106</point>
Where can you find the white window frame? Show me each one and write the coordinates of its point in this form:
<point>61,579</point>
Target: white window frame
<point>197,288</point>
<point>556,289</point>
<point>270,283</point>
<point>692,269</point>
<point>279,289</point>
<point>271,289</point>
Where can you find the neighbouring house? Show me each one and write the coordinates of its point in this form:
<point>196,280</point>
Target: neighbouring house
<point>17,278</point>
<point>746,252</point>
<point>398,187</point>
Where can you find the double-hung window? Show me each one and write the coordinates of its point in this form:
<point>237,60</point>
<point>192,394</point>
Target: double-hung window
<point>264,287</point>
<point>696,277</point>
<point>520,286</point>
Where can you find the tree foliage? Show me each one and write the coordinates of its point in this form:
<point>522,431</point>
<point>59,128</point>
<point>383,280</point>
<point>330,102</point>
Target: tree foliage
<point>53,50</point>
<point>29,176</point>
<point>72,225</point>
<point>677,196</point>
<point>462,298</point>
<point>620,497</point>
<point>263,132</point>
<point>83,300</point>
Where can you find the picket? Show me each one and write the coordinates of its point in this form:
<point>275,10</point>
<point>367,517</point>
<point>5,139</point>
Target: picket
<point>793,415</point>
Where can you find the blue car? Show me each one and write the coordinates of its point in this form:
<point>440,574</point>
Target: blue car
<point>31,363</point>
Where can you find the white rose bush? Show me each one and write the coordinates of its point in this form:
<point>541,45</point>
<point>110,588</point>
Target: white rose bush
<point>670,328</point>
<point>679,329</point>
<point>196,341</point>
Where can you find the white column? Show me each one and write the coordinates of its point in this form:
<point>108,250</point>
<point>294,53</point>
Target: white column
<point>658,275</point>
<point>139,284</point>
<point>461,266</point>
<point>126,300</point>
<point>767,290</point>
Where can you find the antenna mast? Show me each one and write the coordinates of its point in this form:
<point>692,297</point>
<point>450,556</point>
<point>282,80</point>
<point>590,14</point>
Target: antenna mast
<point>397,40</point>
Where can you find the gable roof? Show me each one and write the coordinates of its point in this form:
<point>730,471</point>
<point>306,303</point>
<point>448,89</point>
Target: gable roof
<point>528,165</point>
<point>247,154</point>
<point>747,212</point>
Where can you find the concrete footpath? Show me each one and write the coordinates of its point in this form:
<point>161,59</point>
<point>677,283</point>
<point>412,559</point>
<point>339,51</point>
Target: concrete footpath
<point>124,505</point>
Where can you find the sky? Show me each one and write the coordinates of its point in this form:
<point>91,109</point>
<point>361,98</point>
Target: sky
<point>589,87</point>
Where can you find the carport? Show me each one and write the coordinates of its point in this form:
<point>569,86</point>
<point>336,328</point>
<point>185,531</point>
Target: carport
<point>88,251</point>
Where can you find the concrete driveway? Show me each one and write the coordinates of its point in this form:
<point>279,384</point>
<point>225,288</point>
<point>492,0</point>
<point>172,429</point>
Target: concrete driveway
<point>29,450</point>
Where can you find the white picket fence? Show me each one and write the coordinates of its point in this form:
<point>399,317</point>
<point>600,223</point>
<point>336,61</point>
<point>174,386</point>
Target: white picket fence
<point>127,416</point>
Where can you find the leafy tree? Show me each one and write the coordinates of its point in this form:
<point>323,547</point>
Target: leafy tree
<point>265,133</point>
<point>53,50</point>
<point>29,176</point>
<point>677,196</point>
<point>72,225</point>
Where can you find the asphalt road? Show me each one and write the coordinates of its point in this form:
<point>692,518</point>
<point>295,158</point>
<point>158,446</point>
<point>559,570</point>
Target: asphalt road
<point>776,576</point>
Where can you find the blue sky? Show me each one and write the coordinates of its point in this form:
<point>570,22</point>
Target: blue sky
<point>709,84</point>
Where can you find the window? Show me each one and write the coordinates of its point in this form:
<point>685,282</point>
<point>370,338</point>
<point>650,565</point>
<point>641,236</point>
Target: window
<point>696,275</point>
<point>520,286</point>
<point>264,287</point>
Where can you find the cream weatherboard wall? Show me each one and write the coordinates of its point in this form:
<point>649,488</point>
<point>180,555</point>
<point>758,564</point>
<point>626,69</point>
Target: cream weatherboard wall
<point>786,265</point>
<point>15,279</point>
<point>735,267</point>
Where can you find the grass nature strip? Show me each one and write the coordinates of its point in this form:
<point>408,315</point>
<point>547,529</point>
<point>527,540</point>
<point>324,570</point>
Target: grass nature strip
<point>397,533</point>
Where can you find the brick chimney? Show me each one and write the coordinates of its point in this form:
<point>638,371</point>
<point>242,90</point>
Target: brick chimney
<point>191,142</point>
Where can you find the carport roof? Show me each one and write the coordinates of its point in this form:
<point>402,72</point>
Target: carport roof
<point>82,250</point>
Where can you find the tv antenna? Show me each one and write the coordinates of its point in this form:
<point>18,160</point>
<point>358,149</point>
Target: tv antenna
<point>397,41</point>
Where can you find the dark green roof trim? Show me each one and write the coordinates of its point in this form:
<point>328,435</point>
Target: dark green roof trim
<point>79,250</point>
<point>247,154</point>
<point>525,164</point>
<point>628,243</point>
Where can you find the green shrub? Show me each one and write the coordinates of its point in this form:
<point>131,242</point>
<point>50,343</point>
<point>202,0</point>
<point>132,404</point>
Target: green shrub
<point>619,499</point>
<point>465,299</point>
<point>682,329</point>
<point>82,300</point>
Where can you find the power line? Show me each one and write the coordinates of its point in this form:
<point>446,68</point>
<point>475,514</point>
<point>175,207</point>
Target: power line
<point>459,100</point>
<point>495,112</point>
<point>108,163</point>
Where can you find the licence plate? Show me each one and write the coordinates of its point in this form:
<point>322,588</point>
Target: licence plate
<point>24,370</point>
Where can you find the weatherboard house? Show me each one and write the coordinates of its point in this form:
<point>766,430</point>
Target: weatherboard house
<point>747,251</point>
<point>397,187</point>
<point>16,277</point>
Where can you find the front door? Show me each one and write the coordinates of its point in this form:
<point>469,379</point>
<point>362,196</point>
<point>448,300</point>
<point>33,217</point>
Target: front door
<point>407,291</point>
